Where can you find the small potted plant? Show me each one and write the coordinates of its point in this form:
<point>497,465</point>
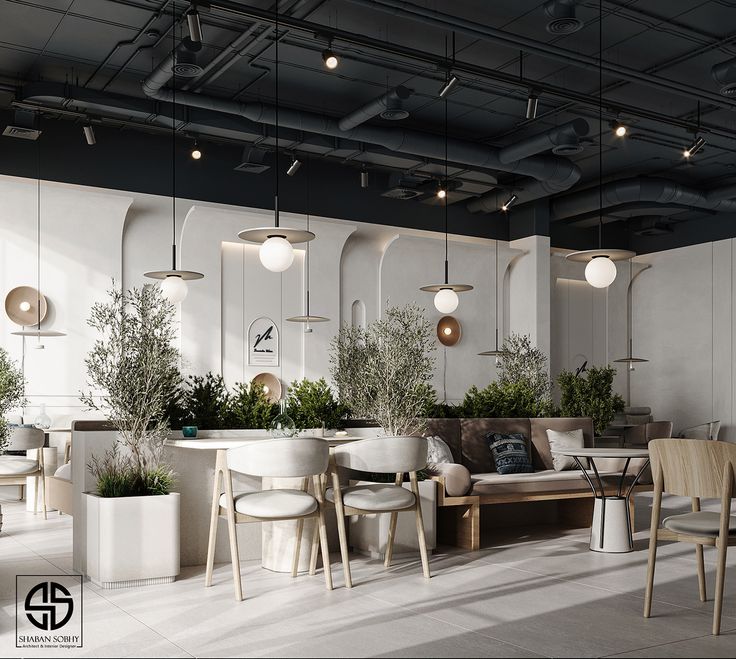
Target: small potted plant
<point>312,406</point>
<point>133,516</point>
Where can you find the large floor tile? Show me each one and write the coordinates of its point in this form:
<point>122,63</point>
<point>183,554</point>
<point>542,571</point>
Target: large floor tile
<point>704,646</point>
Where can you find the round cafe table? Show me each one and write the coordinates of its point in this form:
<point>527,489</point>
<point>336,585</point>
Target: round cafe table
<point>611,528</point>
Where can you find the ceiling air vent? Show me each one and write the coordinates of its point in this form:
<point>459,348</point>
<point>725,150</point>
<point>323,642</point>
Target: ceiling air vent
<point>21,132</point>
<point>562,17</point>
<point>724,73</point>
<point>253,162</point>
<point>567,149</point>
<point>404,187</point>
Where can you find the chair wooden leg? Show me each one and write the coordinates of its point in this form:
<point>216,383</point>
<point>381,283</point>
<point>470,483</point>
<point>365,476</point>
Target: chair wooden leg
<point>22,492</point>
<point>342,533</point>
<point>653,529</point>
<point>701,572</point>
<point>233,533</point>
<point>720,578</point>
<point>420,526</point>
<point>43,494</point>
<point>35,498</point>
<point>390,541</point>
<point>314,552</point>
<point>297,547</point>
<point>325,549</point>
<point>214,516</point>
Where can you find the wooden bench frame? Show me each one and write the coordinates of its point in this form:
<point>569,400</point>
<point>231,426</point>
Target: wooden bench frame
<point>458,518</point>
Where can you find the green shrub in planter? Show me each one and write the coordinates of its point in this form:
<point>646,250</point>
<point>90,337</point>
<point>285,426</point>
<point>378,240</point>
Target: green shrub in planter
<point>311,404</point>
<point>12,387</point>
<point>205,401</point>
<point>249,408</point>
<point>590,394</point>
<point>505,400</point>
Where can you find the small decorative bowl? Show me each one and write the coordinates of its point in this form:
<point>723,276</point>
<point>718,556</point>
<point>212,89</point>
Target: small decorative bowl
<point>189,431</point>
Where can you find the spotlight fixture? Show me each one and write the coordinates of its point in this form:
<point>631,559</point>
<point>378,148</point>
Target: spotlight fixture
<point>294,167</point>
<point>448,86</point>
<point>441,192</point>
<point>364,179</point>
<point>698,144</point>
<point>89,134</point>
<point>330,58</point>
<point>532,103</point>
<point>196,151</point>
<point>195,27</point>
<point>619,129</point>
<point>509,202</point>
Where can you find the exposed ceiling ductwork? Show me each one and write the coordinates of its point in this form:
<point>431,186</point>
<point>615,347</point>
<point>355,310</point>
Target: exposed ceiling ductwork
<point>645,191</point>
<point>724,73</point>
<point>562,19</point>
<point>387,106</point>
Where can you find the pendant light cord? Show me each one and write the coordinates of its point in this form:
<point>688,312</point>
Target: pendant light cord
<point>600,124</point>
<point>447,191</point>
<point>38,228</point>
<point>309,168</point>
<point>276,196</point>
<point>173,151</point>
<point>495,296</point>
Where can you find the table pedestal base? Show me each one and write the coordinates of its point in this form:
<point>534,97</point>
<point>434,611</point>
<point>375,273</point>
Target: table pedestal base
<point>611,529</point>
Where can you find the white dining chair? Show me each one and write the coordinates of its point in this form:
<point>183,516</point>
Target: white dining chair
<point>15,469</point>
<point>394,455</point>
<point>273,458</point>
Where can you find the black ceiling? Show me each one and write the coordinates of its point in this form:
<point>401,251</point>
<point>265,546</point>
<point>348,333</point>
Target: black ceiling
<point>658,57</point>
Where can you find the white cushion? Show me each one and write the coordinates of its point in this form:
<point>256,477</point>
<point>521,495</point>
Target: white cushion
<point>376,497</point>
<point>283,504</point>
<point>700,523</point>
<point>561,440</point>
<point>64,472</point>
<point>438,452</point>
<point>16,466</point>
<point>547,480</point>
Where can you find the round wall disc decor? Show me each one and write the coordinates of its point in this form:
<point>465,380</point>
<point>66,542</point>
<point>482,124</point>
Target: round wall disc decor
<point>449,330</point>
<point>271,386</point>
<point>22,306</point>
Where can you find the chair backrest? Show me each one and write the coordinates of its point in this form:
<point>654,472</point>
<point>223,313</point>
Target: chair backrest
<point>691,467</point>
<point>281,458</point>
<point>23,439</point>
<point>384,454</point>
<point>658,430</point>
<point>707,430</point>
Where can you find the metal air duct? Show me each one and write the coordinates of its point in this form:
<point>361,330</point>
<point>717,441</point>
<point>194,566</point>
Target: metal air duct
<point>388,106</point>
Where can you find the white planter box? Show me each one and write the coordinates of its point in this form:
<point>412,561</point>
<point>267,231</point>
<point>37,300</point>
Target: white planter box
<point>132,541</point>
<point>369,533</point>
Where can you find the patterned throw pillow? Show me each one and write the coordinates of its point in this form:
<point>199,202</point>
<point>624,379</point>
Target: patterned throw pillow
<point>509,452</point>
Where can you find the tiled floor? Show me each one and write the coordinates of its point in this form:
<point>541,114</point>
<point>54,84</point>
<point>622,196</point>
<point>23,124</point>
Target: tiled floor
<point>536,592</point>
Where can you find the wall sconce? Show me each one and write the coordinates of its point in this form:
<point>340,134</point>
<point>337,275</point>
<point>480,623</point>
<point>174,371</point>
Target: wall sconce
<point>449,330</point>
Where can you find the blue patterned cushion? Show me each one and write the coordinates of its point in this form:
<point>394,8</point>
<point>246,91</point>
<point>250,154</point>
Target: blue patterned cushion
<point>509,452</point>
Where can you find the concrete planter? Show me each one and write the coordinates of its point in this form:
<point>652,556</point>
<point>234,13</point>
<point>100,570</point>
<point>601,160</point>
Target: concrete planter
<point>369,533</point>
<point>132,541</point>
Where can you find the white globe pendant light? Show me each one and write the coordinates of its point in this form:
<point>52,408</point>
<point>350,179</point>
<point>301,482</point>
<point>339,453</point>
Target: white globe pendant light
<point>276,254</point>
<point>446,300</point>
<point>174,289</point>
<point>600,272</point>
<point>276,251</point>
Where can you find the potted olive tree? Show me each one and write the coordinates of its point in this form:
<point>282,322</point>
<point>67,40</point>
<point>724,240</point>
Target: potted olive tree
<point>133,516</point>
<point>12,396</point>
<point>383,373</point>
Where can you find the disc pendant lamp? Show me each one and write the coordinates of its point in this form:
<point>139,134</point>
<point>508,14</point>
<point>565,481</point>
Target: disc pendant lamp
<point>174,282</point>
<point>497,352</point>
<point>630,360</point>
<point>446,299</point>
<point>600,271</point>
<point>40,302</point>
<point>308,318</point>
<point>277,242</point>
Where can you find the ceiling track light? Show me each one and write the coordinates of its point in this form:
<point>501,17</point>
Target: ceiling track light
<point>532,104</point>
<point>441,192</point>
<point>698,144</point>
<point>196,151</point>
<point>509,203</point>
<point>89,135</point>
<point>619,129</point>
<point>364,179</point>
<point>195,27</point>
<point>329,57</point>
<point>294,167</point>
<point>449,85</point>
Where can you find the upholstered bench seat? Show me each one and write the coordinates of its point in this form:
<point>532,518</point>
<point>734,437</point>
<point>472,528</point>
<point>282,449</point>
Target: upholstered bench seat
<point>547,480</point>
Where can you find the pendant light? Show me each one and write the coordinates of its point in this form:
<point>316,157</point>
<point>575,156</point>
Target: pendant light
<point>496,352</point>
<point>308,318</point>
<point>600,271</point>
<point>174,282</point>
<point>40,305</point>
<point>630,360</point>
<point>276,251</point>
<point>446,299</point>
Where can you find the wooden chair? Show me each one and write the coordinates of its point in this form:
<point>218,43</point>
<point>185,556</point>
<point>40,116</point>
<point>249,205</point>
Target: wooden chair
<point>696,469</point>
<point>15,469</point>
<point>395,455</point>
<point>274,458</point>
